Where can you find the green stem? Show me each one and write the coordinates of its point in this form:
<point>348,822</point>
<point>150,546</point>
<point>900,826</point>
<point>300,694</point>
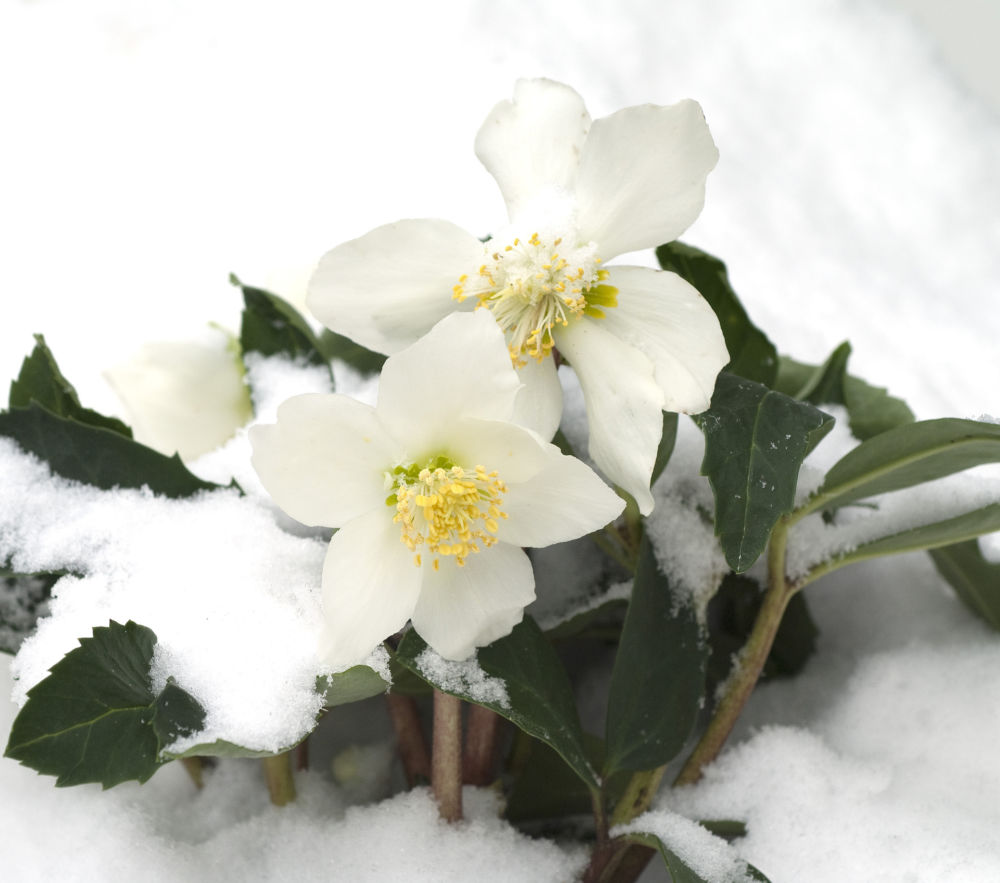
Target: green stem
<point>613,550</point>
<point>638,795</point>
<point>280,782</point>
<point>751,661</point>
<point>446,760</point>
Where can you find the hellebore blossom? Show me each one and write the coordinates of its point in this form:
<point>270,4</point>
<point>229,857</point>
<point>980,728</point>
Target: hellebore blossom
<point>434,492</point>
<point>578,193</point>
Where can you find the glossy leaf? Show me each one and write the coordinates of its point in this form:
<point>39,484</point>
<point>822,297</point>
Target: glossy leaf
<point>40,380</point>
<point>273,327</point>
<point>540,694</point>
<point>95,717</point>
<point>870,409</point>
<point>975,580</point>
<point>97,456</point>
<point>751,354</point>
<point>668,439</point>
<point>357,683</point>
<point>755,442</point>
<point>905,456</point>
<point>360,358</point>
<point>659,674</point>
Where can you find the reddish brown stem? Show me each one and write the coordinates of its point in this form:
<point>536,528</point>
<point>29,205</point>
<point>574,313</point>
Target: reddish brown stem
<point>410,740</point>
<point>479,763</point>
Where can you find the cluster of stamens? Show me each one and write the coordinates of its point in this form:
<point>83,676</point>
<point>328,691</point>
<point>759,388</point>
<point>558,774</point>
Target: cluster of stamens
<point>532,288</point>
<point>446,509</point>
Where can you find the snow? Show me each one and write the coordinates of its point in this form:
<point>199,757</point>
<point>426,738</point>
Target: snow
<point>465,677</point>
<point>855,198</point>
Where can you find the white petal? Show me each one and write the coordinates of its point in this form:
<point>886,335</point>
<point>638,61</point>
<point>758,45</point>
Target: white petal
<point>642,176</point>
<point>624,405</point>
<point>370,587</point>
<point>187,397</point>
<point>666,318</point>
<point>391,285</point>
<point>461,608</point>
<point>532,144</point>
<point>539,402</point>
<point>563,501</point>
<point>516,453</point>
<point>460,369</point>
<point>323,460</point>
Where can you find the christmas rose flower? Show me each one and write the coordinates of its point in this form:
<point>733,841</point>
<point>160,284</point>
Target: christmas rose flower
<point>434,493</point>
<point>578,193</point>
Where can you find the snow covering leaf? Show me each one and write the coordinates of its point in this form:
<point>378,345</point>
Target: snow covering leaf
<point>907,455</point>
<point>751,354</point>
<point>602,620</point>
<point>961,528</point>
<point>95,717</point>
<point>40,380</point>
<point>356,683</point>
<point>365,361</point>
<point>755,442</point>
<point>658,679</point>
<point>666,447</point>
<point>273,327</point>
<point>95,455</point>
<point>540,694</point>
<point>975,580</point>
<point>681,872</point>
<point>870,409</point>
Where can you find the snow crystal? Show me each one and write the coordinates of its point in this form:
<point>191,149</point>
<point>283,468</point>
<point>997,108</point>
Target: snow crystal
<point>463,677</point>
<point>234,600</point>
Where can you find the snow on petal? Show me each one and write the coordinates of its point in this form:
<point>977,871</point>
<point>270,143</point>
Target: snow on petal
<point>323,461</point>
<point>467,607</point>
<point>563,501</point>
<point>642,176</point>
<point>624,405</point>
<point>390,286</point>
<point>666,318</point>
<point>370,587</point>
<point>531,145</point>
<point>538,405</point>
<point>461,368</point>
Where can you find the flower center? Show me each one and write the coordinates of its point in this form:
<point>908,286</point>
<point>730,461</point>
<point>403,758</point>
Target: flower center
<point>535,285</point>
<point>450,510</point>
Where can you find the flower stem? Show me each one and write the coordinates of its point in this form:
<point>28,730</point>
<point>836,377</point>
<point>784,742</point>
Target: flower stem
<point>750,663</point>
<point>446,761</point>
<point>280,782</point>
<point>478,767</point>
<point>410,740</point>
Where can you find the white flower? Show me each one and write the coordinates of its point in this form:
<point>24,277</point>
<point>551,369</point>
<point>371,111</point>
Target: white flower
<point>433,491</point>
<point>184,396</point>
<point>578,193</point>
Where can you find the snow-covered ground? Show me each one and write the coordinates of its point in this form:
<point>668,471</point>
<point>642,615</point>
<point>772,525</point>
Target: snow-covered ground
<point>151,149</point>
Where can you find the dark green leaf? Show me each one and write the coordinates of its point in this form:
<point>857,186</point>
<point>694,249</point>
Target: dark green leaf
<point>561,442</point>
<point>755,442</point>
<point>41,381</point>
<point>219,748</point>
<point>940,533</point>
<point>751,354</point>
<point>658,680</point>
<point>357,683</point>
<point>731,616</point>
<point>680,871</point>
<point>362,359</point>
<point>666,447</point>
<point>95,717</point>
<point>541,697</point>
<point>975,580</point>
<point>605,619</point>
<point>273,327</point>
<point>870,409</point>
<point>908,455</point>
<point>97,456</point>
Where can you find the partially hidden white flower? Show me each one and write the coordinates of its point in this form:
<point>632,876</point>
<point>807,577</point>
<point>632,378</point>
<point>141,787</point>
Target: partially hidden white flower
<point>578,193</point>
<point>184,396</point>
<point>434,493</point>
